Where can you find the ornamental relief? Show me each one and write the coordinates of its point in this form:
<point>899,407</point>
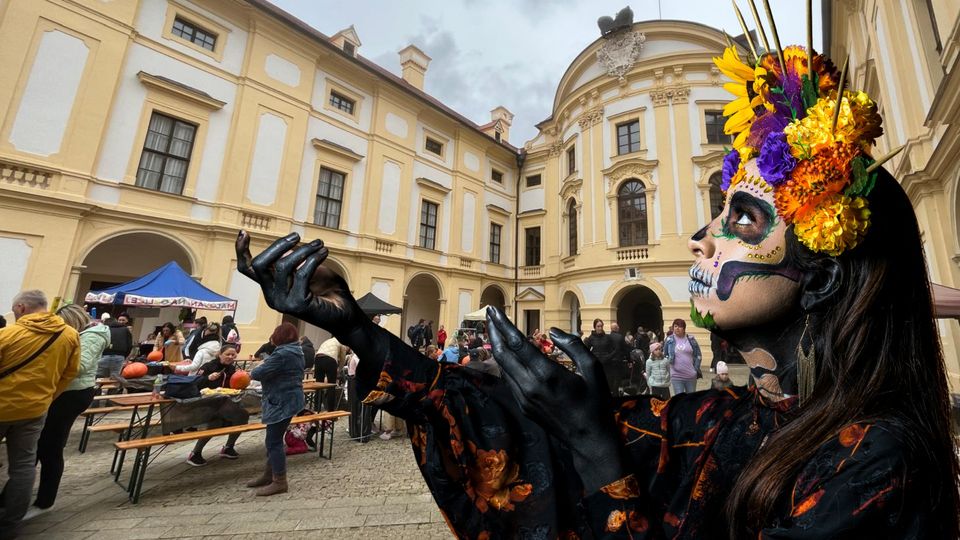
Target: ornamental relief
<point>640,169</point>
<point>591,117</point>
<point>620,52</point>
<point>571,188</point>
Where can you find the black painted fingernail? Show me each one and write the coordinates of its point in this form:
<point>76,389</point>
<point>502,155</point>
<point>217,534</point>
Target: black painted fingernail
<point>316,243</point>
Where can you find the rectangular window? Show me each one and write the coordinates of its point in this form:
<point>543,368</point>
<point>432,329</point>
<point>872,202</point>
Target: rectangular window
<point>532,246</point>
<point>342,102</point>
<point>349,48</point>
<point>166,154</point>
<point>434,146</point>
<point>329,199</point>
<point>194,34</point>
<point>715,121</point>
<point>534,180</point>
<point>496,176</point>
<point>628,137</point>
<point>495,232</point>
<point>572,160</point>
<point>428,225</point>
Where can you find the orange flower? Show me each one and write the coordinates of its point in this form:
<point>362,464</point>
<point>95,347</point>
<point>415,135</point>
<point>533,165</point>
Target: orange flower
<point>615,520</point>
<point>657,405</point>
<point>813,180</point>
<point>494,480</point>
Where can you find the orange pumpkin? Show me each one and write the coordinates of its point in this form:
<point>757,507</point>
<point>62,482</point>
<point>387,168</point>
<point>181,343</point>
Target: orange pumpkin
<point>155,356</point>
<point>134,370</point>
<point>240,379</point>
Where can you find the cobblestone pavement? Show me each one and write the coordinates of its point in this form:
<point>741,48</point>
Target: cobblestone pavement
<point>367,490</point>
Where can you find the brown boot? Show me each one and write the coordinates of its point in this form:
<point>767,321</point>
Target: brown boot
<point>263,479</point>
<point>279,485</point>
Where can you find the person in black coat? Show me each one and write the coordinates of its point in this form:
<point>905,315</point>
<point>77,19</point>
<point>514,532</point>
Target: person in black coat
<point>609,352</point>
<point>309,352</point>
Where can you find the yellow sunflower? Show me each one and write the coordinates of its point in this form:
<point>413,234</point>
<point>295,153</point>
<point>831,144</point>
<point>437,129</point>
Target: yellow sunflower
<point>740,111</point>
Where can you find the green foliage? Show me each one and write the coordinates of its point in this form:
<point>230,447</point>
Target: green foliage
<point>863,182</point>
<point>808,91</point>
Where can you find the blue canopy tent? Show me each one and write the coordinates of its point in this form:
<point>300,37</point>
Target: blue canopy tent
<point>167,286</point>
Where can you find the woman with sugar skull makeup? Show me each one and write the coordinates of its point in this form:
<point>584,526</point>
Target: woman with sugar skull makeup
<point>814,271</point>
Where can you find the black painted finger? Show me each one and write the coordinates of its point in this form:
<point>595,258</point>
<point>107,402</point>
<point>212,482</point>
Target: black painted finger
<point>573,346</point>
<point>244,258</point>
<point>531,355</point>
<point>301,279</point>
<point>263,263</point>
<point>515,390</point>
<point>285,267</point>
<point>508,360</point>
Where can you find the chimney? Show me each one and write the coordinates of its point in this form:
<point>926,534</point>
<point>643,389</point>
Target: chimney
<point>414,64</point>
<point>500,121</point>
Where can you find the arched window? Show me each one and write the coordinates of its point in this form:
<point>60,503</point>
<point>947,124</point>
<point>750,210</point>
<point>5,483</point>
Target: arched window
<point>716,195</point>
<point>572,226</point>
<point>632,213</point>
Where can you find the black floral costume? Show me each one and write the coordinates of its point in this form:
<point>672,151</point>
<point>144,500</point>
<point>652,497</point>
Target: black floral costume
<point>496,474</point>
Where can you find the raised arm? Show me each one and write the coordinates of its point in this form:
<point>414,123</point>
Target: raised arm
<point>295,282</point>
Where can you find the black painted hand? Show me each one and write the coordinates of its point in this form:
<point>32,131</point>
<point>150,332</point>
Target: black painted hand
<point>576,408</point>
<point>294,282</point>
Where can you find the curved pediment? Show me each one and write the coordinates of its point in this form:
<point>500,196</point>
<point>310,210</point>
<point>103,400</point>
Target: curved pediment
<point>652,41</point>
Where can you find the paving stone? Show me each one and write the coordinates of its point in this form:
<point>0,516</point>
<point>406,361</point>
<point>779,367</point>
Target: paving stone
<point>109,524</point>
<point>261,526</point>
<point>386,509</point>
<point>398,519</point>
<point>132,534</point>
<point>332,522</point>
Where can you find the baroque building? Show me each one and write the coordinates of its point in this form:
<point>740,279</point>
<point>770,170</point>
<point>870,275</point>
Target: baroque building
<point>134,133</point>
<point>906,55</point>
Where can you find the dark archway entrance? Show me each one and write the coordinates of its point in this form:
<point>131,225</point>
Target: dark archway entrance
<point>571,307</point>
<point>421,300</point>
<point>493,296</point>
<point>639,306</point>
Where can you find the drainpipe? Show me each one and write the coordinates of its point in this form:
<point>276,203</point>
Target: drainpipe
<point>521,158</point>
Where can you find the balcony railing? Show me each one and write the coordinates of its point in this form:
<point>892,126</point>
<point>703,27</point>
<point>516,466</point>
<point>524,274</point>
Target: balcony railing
<point>633,254</point>
<point>24,176</point>
<point>531,271</point>
<point>382,246</point>
<point>249,220</point>
<point>465,263</point>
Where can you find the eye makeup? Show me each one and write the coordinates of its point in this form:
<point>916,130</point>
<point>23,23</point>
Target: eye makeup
<point>749,219</point>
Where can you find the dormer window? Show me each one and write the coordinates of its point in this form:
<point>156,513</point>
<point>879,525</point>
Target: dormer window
<point>349,48</point>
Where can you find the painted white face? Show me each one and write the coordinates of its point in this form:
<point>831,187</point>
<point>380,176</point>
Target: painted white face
<point>740,277</point>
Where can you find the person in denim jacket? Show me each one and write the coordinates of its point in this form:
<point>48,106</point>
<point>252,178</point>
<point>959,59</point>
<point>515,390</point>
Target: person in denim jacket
<point>282,377</point>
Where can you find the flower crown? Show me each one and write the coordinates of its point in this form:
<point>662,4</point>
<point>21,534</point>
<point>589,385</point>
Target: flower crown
<point>815,157</point>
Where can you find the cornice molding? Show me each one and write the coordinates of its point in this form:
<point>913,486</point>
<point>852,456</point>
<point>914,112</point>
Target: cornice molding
<point>192,94</point>
<point>334,148</point>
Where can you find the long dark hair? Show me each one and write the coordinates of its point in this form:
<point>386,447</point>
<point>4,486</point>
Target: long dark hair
<point>878,357</point>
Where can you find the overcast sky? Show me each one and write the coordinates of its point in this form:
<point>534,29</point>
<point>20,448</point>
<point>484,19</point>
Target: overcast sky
<point>512,53</point>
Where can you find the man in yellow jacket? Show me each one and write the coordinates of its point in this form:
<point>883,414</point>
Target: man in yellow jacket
<point>39,356</point>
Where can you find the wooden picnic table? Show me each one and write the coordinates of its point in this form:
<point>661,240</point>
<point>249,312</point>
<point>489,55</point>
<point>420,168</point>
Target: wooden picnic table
<point>317,388</point>
<point>142,423</point>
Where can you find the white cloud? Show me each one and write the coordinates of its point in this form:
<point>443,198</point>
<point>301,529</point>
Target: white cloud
<point>512,53</point>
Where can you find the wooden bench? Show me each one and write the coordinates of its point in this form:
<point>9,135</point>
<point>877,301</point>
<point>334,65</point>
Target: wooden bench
<point>144,446</point>
<point>92,417</point>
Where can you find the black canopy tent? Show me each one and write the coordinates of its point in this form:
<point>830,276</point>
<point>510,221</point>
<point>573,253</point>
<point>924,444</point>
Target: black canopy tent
<point>372,305</point>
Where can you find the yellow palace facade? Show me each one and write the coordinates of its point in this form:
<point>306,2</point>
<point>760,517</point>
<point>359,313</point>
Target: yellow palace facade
<point>134,133</point>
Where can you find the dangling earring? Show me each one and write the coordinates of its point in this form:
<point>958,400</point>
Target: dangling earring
<point>806,366</point>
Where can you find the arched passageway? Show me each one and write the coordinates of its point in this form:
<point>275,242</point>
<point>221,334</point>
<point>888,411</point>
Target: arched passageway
<point>639,306</point>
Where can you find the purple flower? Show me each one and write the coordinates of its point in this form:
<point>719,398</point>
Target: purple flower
<point>731,162</point>
<point>768,122</point>
<point>775,162</point>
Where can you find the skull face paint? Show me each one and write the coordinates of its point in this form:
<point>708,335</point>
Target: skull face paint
<point>741,277</point>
